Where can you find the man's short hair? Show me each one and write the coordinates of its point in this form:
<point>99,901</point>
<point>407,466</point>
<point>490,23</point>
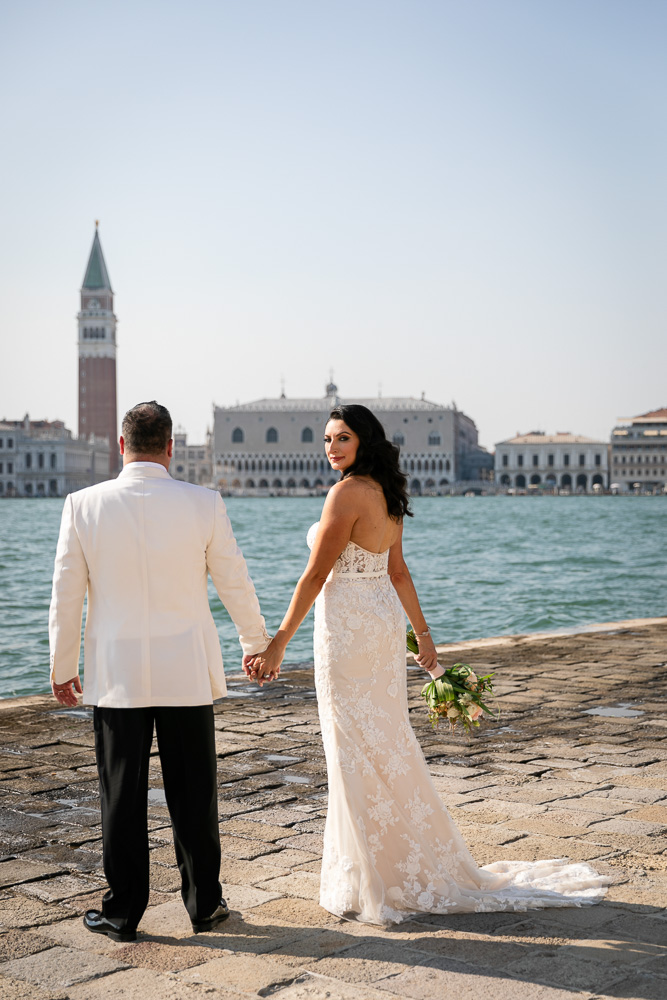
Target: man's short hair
<point>147,429</point>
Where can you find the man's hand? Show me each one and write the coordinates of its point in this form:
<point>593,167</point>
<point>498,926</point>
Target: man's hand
<point>66,693</point>
<point>248,659</point>
<point>264,666</point>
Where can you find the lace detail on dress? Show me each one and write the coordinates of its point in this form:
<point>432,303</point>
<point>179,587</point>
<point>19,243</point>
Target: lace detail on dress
<point>391,849</point>
<point>355,560</point>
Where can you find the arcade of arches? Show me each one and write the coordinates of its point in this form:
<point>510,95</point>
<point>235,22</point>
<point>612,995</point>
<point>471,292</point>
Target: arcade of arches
<point>564,481</point>
<point>266,472</point>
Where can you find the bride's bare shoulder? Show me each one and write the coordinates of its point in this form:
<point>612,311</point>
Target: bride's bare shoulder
<point>354,490</point>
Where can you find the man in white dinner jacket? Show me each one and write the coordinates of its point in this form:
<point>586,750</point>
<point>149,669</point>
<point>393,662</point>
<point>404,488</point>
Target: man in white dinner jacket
<point>142,547</point>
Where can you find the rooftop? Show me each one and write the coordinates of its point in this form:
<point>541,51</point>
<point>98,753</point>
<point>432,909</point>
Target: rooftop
<point>323,404</point>
<point>653,417</point>
<point>561,438</point>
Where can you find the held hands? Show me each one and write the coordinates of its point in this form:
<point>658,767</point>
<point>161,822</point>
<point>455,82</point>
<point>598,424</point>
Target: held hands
<point>66,693</point>
<point>427,656</point>
<point>264,666</point>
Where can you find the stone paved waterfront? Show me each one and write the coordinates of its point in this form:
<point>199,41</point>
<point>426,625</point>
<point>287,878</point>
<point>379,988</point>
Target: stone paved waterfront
<point>545,780</point>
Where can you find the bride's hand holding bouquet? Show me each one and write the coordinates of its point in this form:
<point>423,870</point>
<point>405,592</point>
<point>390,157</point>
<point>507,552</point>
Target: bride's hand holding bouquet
<point>454,693</point>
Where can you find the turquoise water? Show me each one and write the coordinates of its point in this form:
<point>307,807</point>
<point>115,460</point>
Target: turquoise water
<point>482,566</point>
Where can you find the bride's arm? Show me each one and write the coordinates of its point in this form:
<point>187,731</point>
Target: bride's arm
<point>405,588</point>
<point>339,516</point>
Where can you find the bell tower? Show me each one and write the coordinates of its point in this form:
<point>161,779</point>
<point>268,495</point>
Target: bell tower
<point>97,355</point>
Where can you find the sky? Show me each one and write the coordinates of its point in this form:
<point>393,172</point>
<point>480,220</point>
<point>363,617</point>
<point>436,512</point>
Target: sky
<point>464,198</point>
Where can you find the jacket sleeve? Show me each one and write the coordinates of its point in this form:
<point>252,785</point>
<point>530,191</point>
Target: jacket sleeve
<point>70,581</point>
<point>229,573</point>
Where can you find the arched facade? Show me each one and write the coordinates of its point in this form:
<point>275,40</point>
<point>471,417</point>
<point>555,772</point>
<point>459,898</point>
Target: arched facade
<point>282,438</point>
<point>551,460</point>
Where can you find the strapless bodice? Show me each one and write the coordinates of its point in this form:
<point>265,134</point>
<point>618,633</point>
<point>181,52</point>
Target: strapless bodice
<point>355,561</point>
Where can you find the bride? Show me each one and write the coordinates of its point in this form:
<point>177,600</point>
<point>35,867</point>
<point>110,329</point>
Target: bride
<point>391,849</point>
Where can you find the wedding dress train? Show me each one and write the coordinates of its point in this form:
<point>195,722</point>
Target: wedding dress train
<point>391,848</point>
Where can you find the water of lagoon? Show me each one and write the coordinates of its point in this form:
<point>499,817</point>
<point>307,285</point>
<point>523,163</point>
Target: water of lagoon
<point>483,566</point>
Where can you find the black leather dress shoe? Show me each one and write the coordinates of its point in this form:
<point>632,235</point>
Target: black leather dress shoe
<point>98,924</point>
<point>210,923</point>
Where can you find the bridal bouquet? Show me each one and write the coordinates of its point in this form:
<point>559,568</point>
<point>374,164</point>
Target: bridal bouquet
<point>454,693</point>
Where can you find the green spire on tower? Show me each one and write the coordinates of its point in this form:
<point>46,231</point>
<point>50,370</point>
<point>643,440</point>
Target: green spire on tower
<point>97,275</point>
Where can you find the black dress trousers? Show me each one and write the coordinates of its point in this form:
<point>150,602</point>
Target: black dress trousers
<point>186,744</point>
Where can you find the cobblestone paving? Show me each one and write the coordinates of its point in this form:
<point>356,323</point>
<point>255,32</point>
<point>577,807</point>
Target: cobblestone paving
<point>545,780</point>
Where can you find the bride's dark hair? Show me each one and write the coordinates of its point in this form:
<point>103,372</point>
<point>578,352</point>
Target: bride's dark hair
<point>376,457</point>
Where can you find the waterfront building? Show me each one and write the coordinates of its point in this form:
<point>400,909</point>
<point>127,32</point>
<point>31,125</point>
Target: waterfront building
<point>192,463</point>
<point>276,444</point>
<point>564,461</point>
<point>639,452</point>
<point>97,356</point>
<point>40,458</point>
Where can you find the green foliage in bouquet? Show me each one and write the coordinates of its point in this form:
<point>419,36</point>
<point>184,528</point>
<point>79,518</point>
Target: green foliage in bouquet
<point>411,641</point>
<point>456,695</point>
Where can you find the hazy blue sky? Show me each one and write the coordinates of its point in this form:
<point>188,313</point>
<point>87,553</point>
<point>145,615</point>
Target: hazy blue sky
<point>463,198</point>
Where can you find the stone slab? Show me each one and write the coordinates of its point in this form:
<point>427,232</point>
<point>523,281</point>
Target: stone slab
<point>241,847</point>
<point>441,977</point>
<point>370,960</point>
<point>19,870</point>
<point>18,989</point>
<point>303,842</point>
<point>163,956</point>
<point>310,986</point>
<point>59,968</point>
<point>145,984</point>
<point>17,911</point>
<point>641,986</point>
<point>293,859</point>
<point>17,944</point>
<point>306,885</point>
<point>245,973</point>
<point>571,969</point>
<point>290,910</point>
<point>256,830</point>
<point>313,944</point>
<point>631,828</point>
<point>251,872</point>
<point>62,887</point>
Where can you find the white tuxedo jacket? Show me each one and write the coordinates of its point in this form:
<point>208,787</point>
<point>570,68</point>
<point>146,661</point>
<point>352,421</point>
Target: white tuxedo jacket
<point>142,546</point>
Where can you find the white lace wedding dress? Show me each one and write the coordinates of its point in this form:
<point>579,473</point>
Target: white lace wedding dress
<point>391,848</point>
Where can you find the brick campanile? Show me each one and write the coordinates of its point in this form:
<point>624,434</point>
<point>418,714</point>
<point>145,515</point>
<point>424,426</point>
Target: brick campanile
<point>97,355</point>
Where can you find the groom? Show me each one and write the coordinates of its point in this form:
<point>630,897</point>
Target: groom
<point>141,547</point>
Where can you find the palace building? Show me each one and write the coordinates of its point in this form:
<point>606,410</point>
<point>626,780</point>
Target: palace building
<point>97,356</point>
<point>276,445</point>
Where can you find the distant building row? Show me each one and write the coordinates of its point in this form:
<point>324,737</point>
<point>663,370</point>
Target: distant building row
<point>636,458</point>
<point>40,458</point>
<point>275,445</point>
